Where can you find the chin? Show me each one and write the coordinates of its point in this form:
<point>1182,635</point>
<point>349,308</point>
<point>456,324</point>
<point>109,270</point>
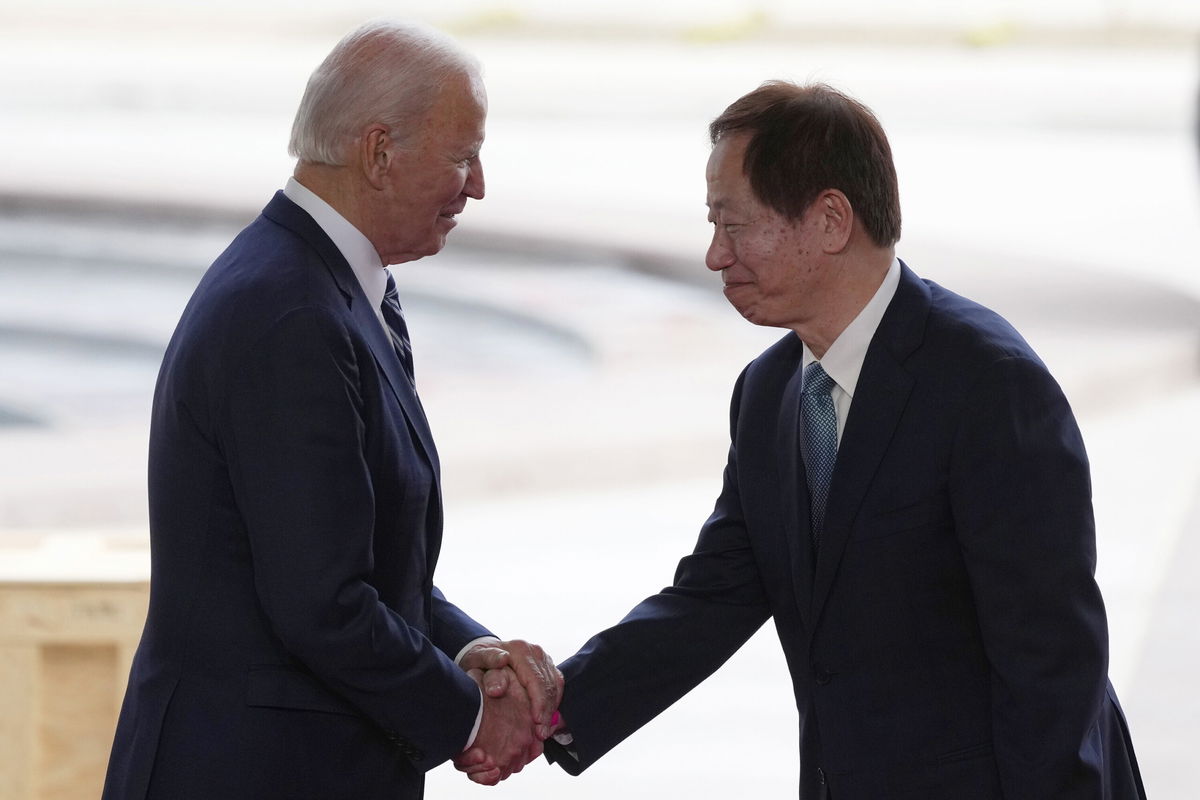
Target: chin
<point>430,248</point>
<point>747,312</point>
<point>755,316</point>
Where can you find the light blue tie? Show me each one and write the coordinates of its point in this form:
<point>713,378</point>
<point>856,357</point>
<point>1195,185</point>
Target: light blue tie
<point>820,442</point>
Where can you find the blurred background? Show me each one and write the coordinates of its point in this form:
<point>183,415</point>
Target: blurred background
<point>574,355</point>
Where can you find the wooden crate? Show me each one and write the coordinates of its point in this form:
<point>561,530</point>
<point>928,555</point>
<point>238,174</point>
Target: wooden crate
<point>71,612</point>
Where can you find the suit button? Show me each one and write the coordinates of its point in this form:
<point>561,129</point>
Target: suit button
<point>822,676</point>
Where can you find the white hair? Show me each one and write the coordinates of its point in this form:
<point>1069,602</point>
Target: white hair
<point>384,71</point>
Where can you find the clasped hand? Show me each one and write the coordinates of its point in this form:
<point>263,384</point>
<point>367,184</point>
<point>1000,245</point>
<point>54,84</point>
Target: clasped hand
<point>521,691</point>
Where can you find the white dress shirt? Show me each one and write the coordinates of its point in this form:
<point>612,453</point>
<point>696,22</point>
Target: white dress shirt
<point>843,360</point>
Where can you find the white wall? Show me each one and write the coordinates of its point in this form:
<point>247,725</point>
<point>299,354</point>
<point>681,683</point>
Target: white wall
<point>666,15</point>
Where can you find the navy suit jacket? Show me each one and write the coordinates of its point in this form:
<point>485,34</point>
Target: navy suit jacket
<point>295,645</point>
<point>950,640</point>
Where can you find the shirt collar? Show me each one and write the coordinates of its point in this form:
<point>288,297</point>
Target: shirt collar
<point>349,240</point>
<point>843,361</point>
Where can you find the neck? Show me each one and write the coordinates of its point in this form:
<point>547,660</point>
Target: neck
<point>333,185</point>
<point>851,284</point>
<point>336,186</point>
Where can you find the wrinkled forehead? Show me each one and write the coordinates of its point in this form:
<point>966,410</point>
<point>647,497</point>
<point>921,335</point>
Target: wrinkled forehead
<point>460,109</point>
<point>728,155</point>
<point>725,173</point>
<point>464,89</point>
<point>473,85</point>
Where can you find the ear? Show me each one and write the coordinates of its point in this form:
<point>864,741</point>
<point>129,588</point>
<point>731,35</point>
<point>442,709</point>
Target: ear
<point>836,220</point>
<point>375,155</point>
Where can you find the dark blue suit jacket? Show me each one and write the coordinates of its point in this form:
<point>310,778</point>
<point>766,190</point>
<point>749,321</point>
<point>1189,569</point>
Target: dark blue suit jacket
<point>950,640</point>
<point>295,645</point>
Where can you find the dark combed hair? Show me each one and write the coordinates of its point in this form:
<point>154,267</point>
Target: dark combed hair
<point>806,139</point>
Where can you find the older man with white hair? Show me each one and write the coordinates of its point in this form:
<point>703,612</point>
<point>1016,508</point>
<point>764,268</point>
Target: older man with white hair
<point>296,646</point>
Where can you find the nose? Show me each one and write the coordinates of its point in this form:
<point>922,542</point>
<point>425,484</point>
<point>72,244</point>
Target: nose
<point>474,186</point>
<point>719,255</point>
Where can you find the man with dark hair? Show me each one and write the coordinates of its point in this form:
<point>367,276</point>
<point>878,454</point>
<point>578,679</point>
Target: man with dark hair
<point>907,495</point>
<point>296,646</point>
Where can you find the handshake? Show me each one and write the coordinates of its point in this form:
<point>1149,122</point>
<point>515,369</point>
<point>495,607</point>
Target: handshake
<point>521,691</point>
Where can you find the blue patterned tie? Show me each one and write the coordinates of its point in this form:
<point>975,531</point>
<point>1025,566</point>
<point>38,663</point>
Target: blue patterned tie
<point>397,328</point>
<point>820,441</point>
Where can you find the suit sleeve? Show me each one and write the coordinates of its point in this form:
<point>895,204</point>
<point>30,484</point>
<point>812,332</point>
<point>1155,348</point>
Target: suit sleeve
<point>453,629</point>
<point>295,439</point>
<point>1021,497</point>
<point>625,676</point>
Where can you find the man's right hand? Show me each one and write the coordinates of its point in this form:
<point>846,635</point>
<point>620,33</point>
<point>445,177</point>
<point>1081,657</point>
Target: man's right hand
<point>507,740</point>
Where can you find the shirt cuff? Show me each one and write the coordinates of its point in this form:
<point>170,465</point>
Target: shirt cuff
<point>567,740</point>
<point>481,640</point>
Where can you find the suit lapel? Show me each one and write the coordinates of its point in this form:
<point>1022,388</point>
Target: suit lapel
<point>389,363</point>
<point>794,513</point>
<point>286,213</point>
<point>882,393</point>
